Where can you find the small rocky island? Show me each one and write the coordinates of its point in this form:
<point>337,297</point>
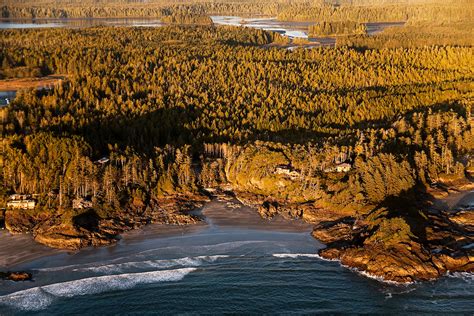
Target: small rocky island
<point>16,276</point>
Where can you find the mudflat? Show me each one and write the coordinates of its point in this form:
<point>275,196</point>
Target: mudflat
<point>27,83</point>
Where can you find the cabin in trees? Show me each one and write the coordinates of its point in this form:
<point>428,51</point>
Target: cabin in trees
<point>102,160</point>
<point>342,167</point>
<point>21,201</point>
<point>286,170</point>
<point>80,204</point>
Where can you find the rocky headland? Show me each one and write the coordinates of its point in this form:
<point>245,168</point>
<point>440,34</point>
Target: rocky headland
<point>412,236</point>
<point>73,230</point>
<point>400,241</point>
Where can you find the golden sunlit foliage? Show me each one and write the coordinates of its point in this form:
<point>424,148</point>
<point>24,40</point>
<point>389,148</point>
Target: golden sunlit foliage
<point>151,99</point>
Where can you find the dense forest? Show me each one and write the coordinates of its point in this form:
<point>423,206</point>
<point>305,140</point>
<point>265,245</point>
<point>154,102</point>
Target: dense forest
<point>336,28</point>
<point>416,35</point>
<point>353,139</point>
<point>150,99</point>
<point>299,10</point>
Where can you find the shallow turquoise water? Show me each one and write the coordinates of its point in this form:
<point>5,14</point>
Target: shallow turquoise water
<point>216,271</point>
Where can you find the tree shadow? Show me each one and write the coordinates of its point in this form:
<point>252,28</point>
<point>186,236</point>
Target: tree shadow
<point>88,220</point>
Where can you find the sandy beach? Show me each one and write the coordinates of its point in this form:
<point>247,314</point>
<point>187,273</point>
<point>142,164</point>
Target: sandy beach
<point>16,249</point>
<point>217,214</point>
<point>19,249</point>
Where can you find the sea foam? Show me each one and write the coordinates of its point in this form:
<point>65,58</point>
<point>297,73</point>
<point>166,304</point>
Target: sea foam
<point>41,297</point>
<point>361,272</point>
<point>155,264</point>
<point>465,276</point>
<point>296,255</point>
<point>147,264</point>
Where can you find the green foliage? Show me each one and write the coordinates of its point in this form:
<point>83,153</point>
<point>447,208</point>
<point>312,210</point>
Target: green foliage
<point>382,176</point>
<point>149,99</point>
<point>336,28</point>
<point>416,35</point>
<point>390,232</point>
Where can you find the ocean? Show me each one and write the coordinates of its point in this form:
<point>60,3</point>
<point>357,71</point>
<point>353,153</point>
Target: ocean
<point>220,270</point>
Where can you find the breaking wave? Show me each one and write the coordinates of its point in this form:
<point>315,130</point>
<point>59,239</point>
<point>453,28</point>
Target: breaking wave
<point>361,272</point>
<point>156,264</point>
<point>378,278</point>
<point>296,255</point>
<point>41,297</point>
<point>465,276</point>
<point>148,264</point>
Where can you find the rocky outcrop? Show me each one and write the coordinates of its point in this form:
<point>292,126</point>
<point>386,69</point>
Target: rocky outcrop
<point>72,230</point>
<point>400,247</point>
<point>464,218</point>
<point>16,276</point>
<point>2,219</point>
<point>268,209</point>
<point>24,221</point>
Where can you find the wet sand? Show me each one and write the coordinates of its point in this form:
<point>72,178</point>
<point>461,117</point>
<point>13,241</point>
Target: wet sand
<point>27,83</point>
<point>16,249</point>
<point>218,213</point>
<point>20,249</point>
<point>455,201</point>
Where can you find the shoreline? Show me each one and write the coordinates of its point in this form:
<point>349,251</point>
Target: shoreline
<point>16,84</point>
<point>219,214</point>
<point>19,249</point>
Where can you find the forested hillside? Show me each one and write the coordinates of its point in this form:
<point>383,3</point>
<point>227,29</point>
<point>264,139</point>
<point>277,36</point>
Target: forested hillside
<point>299,10</point>
<point>364,132</point>
<point>132,91</point>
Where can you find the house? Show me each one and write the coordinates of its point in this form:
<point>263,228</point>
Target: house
<point>23,202</point>
<point>81,203</point>
<point>343,167</point>
<point>287,171</point>
<point>103,160</point>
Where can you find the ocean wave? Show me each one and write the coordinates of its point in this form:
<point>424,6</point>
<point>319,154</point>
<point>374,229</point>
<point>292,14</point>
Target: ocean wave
<point>360,272</point>
<point>147,264</point>
<point>465,276</point>
<point>155,264</point>
<point>295,255</point>
<point>378,278</point>
<point>298,255</point>
<point>41,297</point>
<point>219,247</point>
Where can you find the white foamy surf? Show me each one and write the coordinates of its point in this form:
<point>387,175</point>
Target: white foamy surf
<point>378,278</point>
<point>465,276</point>
<point>147,264</point>
<point>156,264</point>
<point>295,255</point>
<point>363,273</point>
<point>299,255</point>
<point>41,297</point>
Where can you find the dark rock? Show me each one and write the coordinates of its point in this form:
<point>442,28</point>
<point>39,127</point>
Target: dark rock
<point>398,248</point>
<point>16,276</point>
<point>2,218</point>
<point>268,209</point>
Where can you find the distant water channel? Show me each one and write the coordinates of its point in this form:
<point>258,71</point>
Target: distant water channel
<point>6,97</point>
<point>76,23</point>
<point>291,29</point>
<point>287,28</point>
